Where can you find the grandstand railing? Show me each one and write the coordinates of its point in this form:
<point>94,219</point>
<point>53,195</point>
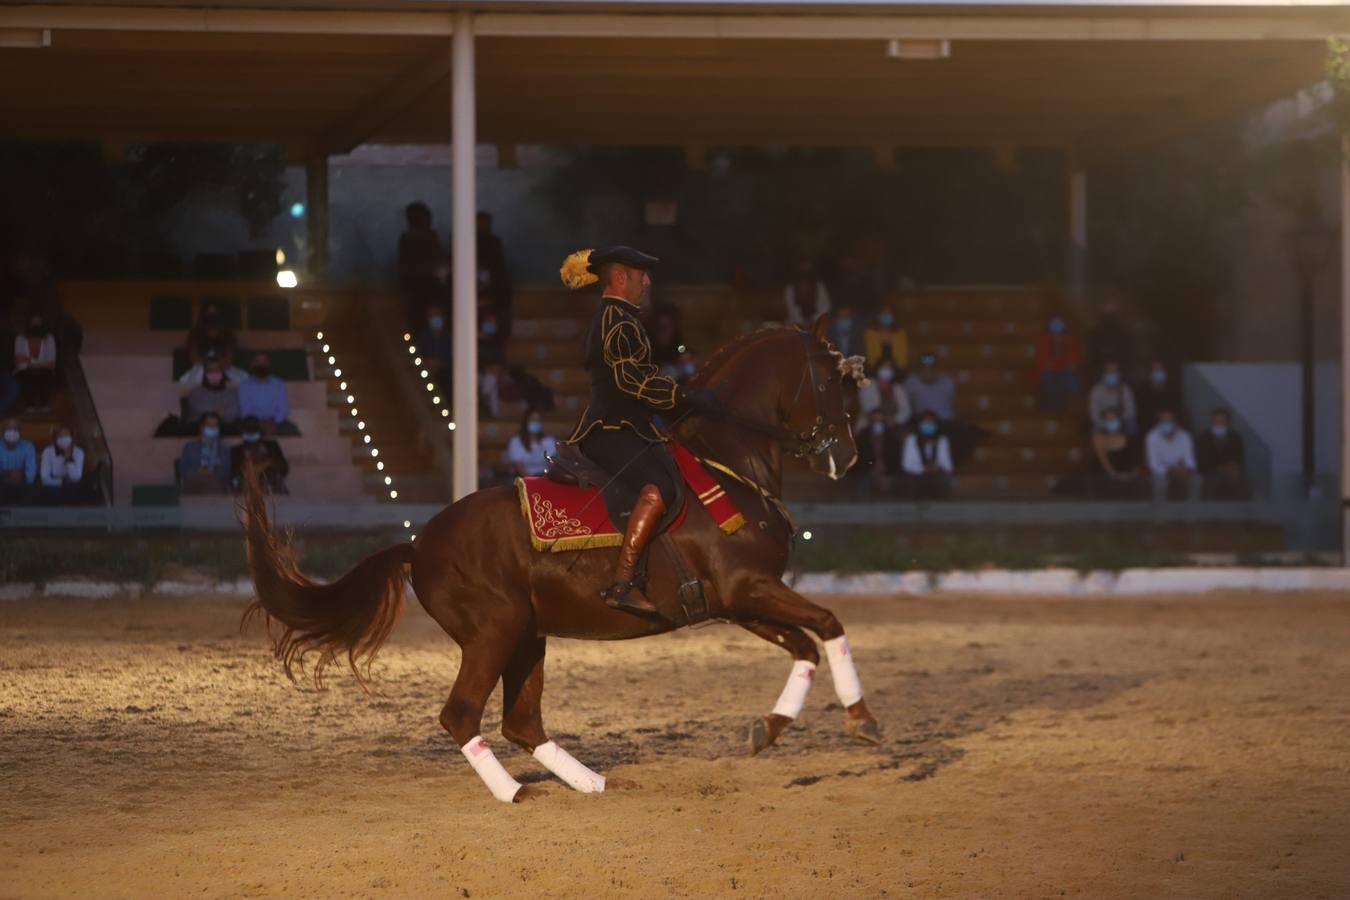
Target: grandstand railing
<point>97,455</point>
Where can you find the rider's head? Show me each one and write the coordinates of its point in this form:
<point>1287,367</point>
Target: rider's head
<point>625,282</point>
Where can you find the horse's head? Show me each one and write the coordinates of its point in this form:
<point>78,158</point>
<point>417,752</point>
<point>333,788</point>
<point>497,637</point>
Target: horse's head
<point>814,410</point>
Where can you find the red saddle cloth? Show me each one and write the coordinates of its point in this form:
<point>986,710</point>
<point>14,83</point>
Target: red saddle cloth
<point>566,517</point>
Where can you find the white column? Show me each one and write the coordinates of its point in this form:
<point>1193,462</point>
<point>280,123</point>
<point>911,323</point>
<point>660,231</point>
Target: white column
<point>1345,353</point>
<point>464,257</point>
<point>1078,237</point>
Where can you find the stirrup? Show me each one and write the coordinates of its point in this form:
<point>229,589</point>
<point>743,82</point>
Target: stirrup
<point>620,596</point>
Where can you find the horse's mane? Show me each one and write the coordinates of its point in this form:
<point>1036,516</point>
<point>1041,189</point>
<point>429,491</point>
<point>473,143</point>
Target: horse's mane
<point>848,366</point>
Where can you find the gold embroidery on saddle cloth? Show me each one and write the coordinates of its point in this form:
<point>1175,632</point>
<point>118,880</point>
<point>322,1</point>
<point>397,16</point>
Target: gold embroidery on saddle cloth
<point>553,529</point>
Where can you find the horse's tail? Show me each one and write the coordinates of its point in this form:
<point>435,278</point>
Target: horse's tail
<point>351,616</point>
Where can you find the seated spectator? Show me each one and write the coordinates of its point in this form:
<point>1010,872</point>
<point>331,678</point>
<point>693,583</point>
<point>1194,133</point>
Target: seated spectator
<point>1110,340</point>
<point>422,266</point>
<point>491,343</point>
<point>204,466</point>
<point>528,451</point>
<point>667,342</point>
<point>62,469</point>
<point>18,464</point>
<point>927,461</point>
<point>265,455</point>
<point>1112,393</point>
<point>35,365</point>
<point>262,396</point>
<point>1171,459</point>
<point>1114,464</point>
<point>1157,392</point>
<point>886,395</point>
<point>1222,460</point>
<point>844,333</point>
<point>216,394</point>
<point>805,298</point>
<point>210,337</point>
<point>1058,356</point>
<point>931,390</point>
<point>878,443</point>
<point>885,341</point>
<point>436,345</point>
<point>501,383</point>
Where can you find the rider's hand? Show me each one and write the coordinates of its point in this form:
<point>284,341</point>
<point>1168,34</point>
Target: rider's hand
<point>700,400</point>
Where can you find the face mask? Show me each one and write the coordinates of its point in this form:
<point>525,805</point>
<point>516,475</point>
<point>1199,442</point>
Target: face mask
<point>1220,431</point>
<point>489,328</point>
<point>11,436</point>
<point>535,427</point>
<point>1111,378</point>
<point>436,323</point>
<point>886,320</point>
<point>1057,326</point>
<point>1112,426</point>
<point>64,441</point>
<point>210,432</point>
<point>213,379</point>
<point>1158,376</point>
<point>928,429</point>
<point>885,373</point>
<point>1167,428</point>
<point>878,427</point>
<point>928,360</point>
<point>252,437</point>
<point>844,325</point>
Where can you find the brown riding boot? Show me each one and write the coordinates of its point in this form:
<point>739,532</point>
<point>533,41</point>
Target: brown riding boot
<point>624,594</point>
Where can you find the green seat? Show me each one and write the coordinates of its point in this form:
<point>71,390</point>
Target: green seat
<point>231,311</point>
<point>288,363</point>
<point>154,495</point>
<point>269,314</point>
<point>170,313</point>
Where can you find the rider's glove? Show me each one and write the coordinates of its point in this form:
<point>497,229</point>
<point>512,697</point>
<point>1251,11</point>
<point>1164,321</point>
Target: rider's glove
<point>700,400</point>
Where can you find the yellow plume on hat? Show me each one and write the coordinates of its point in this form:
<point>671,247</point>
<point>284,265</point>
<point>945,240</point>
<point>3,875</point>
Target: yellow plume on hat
<point>574,271</point>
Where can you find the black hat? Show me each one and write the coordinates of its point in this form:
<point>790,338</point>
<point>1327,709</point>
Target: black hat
<point>624,256</point>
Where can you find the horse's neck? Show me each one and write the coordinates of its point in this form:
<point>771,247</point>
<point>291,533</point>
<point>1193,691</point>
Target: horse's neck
<point>750,390</point>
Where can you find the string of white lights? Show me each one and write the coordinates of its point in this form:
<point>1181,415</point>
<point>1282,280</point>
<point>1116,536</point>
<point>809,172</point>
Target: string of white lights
<point>426,379</point>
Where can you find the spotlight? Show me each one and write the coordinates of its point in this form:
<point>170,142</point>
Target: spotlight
<point>332,360</point>
<point>342,386</point>
<point>393,495</point>
<point>407,524</point>
<point>351,398</point>
<point>430,386</point>
<point>425,373</point>
<point>286,279</point>
<point>406,336</point>
<point>379,467</point>
<point>325,348</point>
<point>366,440</point>
<point>360,426</point>
<point>374,451</point>
<point>318,335</point>
<point>445,413</point>
<point>806,535</point>
<point>412,351</point>
<point>388,480</point>
<point>452,426</point>
<point>337,372</point>
<point>436,400</point>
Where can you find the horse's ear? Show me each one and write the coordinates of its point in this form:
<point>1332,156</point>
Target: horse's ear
<point>821,326</point>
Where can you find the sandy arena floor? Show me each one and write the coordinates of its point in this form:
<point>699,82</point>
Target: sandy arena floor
<point>1125,748</point>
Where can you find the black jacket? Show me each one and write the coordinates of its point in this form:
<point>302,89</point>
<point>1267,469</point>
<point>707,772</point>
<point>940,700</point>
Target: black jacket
<point>626,392</point>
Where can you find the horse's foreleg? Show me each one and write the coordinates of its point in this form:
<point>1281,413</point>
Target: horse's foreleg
<point>775,602</point>
<point>480,667</point>
<point>765,730</point>
<point>523,720</point>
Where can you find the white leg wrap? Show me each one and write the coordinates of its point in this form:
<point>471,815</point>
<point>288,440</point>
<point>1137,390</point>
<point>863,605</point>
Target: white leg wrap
<point>497,779</point>
<point>565,766</point>
<point>792,699</point>
<point>847,685</point>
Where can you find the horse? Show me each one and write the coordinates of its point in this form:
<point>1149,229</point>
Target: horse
<point>475,572</point>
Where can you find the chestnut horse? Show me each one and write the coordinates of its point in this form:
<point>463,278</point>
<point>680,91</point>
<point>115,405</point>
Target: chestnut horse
<point>475,572</point>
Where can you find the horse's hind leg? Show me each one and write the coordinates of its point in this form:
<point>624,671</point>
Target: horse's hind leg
<point>523,721</point>
<point>479,669</point>
<point>764,731</point>
<point>773,601</point>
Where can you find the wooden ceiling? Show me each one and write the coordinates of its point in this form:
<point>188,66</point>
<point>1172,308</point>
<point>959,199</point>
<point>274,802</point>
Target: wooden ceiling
<point>329,91</point>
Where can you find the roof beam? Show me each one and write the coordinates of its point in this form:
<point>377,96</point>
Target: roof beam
<point>386,106</point>
<point>237,21</point>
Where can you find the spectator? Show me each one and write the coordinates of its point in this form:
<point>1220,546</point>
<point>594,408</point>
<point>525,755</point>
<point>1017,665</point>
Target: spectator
<point>494,278</point>
<point>529,450</point>
<point>436,345</point>
<point>1058,356</point>
<point>931,390</point>
<point>18,464</point>
<point>667,342</point>
<point>263,396</point>
<point>35,365</point>
<point>1158,392</point>
<point>210,337</point>
<point>927,461</point>
<point>204,466</point>
<point>501,383</point>
<point>805,298</point>
<point>1110,340</point>
<point>1222,460</point>
<point>1171,459</point>
<point>422,267</point>
<point>265,455</point>
<point>885,341</point>
<point>884,394</point>
<point>1116,473</point>
<point>1112,393</point>
<point>878,444</point>
<point>491,342</point>
<point>843,332</point>
<point>62,464</point>
<point>216,394</point>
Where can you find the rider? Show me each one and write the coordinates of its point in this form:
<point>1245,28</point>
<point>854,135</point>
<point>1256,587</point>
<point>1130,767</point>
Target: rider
<point>616,431</point>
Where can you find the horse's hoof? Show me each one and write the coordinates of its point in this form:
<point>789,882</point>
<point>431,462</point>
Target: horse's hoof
<point>865,730</point>
<point>759,736</point>
<point>529,792</point>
